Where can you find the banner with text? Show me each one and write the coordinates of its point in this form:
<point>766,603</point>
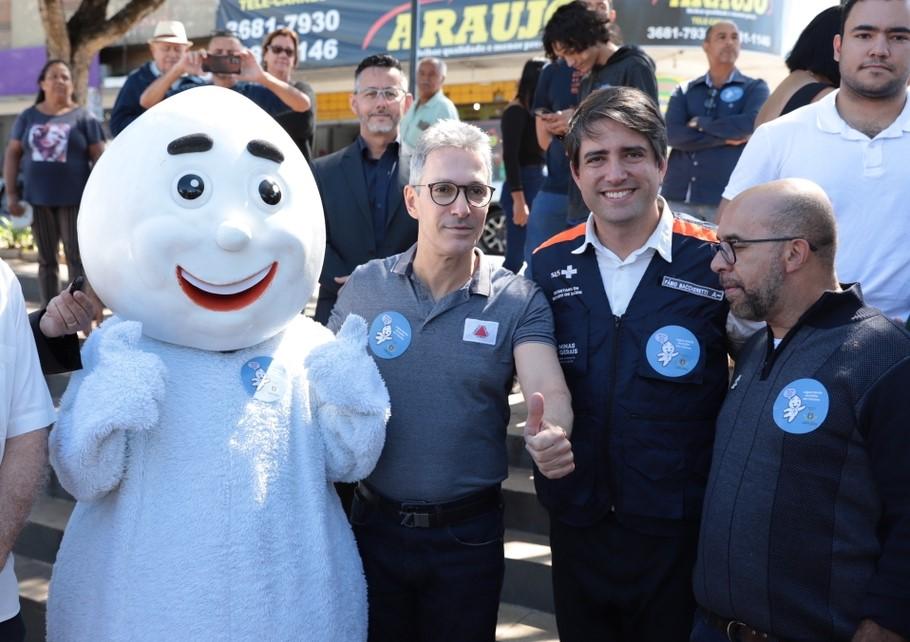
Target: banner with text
<point>342,32</point>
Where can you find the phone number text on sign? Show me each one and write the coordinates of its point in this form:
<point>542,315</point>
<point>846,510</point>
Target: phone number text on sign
<point>304,23</point>
<point>698,33</point>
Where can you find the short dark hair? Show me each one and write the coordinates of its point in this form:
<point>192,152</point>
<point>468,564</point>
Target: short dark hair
<point>377,60</point>
<point>576,28</point>
<point>718,22</point>
<point>813,50</point>
<point>627,106</point>
<point>224,33</point>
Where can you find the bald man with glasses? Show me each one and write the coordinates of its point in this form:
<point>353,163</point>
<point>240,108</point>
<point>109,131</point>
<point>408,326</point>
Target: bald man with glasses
<point>805,532</point>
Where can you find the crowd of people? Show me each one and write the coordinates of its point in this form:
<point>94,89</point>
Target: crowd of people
<point>686,501</point>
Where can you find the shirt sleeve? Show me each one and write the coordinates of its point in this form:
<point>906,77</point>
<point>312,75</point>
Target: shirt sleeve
<point>757,165</point>
<point>451,112</point>
<point>542,93</point>
<point>93,132</point>
<point>883,425</point>
<point>741,125</point>
<point>536,325</point>
<point>18,131</point>
<point>642,77</point>
<point>342,305</point>
<point>30,405</point>
<point>679,134</point>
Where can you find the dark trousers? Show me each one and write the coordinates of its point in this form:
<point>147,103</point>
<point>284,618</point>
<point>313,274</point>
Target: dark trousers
<point>430,584</point>
<point>614,584</point>
<point>13,629</point>
<point>50,226</point>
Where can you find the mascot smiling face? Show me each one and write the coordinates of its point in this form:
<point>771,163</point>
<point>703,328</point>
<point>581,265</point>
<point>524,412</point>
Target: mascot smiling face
<point>210,237</point>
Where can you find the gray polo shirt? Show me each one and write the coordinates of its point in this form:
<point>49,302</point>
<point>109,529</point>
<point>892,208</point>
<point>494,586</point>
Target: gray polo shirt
<point>448,365</point>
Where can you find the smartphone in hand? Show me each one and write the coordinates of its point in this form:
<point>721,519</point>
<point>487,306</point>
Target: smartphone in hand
<point>221,64</point>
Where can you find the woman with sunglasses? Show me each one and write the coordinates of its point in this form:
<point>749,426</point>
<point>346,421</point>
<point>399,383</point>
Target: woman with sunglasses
<point>279,58</point>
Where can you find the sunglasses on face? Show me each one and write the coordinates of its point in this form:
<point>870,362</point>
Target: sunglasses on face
<point>275,49</point>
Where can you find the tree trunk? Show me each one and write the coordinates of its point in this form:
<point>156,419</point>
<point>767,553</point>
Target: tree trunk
<point>87,32</point>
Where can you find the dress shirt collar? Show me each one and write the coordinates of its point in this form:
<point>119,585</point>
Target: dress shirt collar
<point>661,239</point>
<point>481,279</point>
<point>735,76</point>
<point>365,149</point>
<point>830,120</point>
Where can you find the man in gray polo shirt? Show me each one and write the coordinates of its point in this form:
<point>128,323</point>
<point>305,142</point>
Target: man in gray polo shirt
<point>448,331</point>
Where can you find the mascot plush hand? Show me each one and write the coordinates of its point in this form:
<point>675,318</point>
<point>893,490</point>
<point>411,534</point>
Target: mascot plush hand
<point>202,438</point>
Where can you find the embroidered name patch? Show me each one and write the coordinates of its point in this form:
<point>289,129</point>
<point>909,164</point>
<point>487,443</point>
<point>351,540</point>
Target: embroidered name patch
<point>263,380</point>
<point>673,351</point>
<point>478,331</point>
<point>692,288</point>
<point>801,406</point>
<point>390,335</point>
<point>561,293</point>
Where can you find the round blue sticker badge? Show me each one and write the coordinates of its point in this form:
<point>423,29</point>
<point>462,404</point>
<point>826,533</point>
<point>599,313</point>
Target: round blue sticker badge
<point>390,335</point>
<point>801,406</point>
<point>732,94</point>
<point>263,380</point>
<point>673,351</point>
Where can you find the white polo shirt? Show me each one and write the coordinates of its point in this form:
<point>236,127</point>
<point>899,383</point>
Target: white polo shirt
<point>25,404</point>
<point>868,180</point>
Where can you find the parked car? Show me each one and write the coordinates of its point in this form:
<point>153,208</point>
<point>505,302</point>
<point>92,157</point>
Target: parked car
<point>493,239</point>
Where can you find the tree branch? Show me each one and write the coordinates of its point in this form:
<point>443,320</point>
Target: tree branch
<point>54,22</point>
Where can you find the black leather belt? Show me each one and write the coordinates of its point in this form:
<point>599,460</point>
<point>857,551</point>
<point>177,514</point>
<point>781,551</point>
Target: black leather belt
<point>735,630</point>
<point>418,515</point>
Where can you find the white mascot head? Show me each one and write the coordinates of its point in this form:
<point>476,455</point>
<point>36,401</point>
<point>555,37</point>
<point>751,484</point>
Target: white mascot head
<point>202,221</point>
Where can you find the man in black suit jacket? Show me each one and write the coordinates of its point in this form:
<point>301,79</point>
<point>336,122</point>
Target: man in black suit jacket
<point>361,185</point>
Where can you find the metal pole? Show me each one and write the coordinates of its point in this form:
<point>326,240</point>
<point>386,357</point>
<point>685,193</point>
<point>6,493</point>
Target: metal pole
<point>415,38</point>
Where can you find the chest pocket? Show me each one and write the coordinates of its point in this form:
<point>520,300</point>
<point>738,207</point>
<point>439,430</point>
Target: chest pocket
<point>673,355</point>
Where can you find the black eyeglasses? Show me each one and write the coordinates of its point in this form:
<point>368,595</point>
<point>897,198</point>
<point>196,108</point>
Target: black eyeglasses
<point>275,49</point>
<point>711,101</point>
<point>727,249</point>
<point>445,193</point>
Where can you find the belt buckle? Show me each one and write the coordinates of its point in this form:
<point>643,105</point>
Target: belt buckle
<point>414,520</point>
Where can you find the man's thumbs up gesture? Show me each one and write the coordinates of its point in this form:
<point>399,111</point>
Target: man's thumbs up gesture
<point>548,444</point>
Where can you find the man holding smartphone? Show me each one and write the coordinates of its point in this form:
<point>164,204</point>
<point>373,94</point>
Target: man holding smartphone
<point>231,66</point>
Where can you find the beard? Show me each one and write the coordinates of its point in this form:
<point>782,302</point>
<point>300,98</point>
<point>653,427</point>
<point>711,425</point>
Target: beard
<point>889,89</point>
<point>756,304</point>
<point>383,125</point>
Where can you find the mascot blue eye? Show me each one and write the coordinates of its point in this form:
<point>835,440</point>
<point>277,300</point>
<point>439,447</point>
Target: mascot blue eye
<point>269,192</point>
<point>190,186</point>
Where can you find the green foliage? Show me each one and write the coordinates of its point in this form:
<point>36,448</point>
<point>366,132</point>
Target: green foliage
<point>13,238</point>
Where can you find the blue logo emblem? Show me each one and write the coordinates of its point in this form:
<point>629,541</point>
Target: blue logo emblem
<point>390,335</point>
<point>732,94</point>
<point>801,406</point>
<point>673,351</point>
<point>263,380</point>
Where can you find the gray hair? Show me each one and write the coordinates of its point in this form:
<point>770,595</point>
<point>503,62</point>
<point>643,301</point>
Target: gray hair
<point>439,63</point>
<point>451,133</point>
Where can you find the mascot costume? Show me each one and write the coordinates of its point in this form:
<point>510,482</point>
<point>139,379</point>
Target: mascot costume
<point>202,438</point>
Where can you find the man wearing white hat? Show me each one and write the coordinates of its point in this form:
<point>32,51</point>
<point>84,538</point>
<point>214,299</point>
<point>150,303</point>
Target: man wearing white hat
<point>168,45</point>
